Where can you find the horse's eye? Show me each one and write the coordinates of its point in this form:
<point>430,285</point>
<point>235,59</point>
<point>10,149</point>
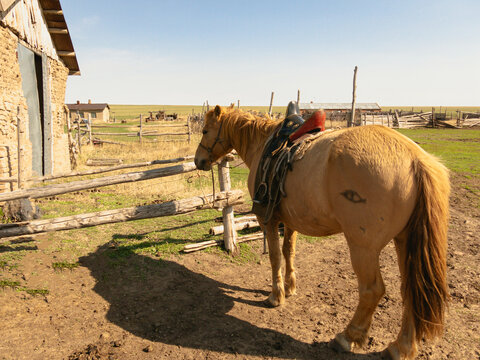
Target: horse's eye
<point>204,132</point>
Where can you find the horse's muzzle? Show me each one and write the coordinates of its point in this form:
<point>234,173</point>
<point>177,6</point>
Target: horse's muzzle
<point>202,164</point>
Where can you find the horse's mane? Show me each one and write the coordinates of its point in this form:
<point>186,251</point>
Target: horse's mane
<point>245,128</point>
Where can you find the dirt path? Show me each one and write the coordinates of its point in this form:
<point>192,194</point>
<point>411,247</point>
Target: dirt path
<point>204,306</point>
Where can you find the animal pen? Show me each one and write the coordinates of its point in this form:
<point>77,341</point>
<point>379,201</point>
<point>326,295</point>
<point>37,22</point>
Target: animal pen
<point>224,200</point>
<point>84,131</point>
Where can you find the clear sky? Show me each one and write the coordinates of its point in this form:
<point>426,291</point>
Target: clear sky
<point>408,52</point>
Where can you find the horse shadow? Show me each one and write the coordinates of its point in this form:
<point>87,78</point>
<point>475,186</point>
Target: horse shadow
<point>162,301</point>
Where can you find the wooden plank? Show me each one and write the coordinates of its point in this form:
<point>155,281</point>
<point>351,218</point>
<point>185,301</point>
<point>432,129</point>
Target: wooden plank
<point>58,189</point>
<point>209,243</point>
<point>120,215</point>
<point>57,31</point>
<point>354,97</point>
<point>113,168</point>
<point>217,230</point>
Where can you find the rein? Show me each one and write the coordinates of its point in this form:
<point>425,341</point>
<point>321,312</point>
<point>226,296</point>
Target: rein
<point>217,140</point>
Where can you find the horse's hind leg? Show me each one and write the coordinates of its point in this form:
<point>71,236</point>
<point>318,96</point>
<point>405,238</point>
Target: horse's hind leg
<point>405,345</point>
<point>371,288</point>
<point>289,241</point>
<point>277,296</point>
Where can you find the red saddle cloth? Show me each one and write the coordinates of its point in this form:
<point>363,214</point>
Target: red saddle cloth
<point>316,122</point>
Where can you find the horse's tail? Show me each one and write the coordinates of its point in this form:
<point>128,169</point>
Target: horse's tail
<point>425,287</point>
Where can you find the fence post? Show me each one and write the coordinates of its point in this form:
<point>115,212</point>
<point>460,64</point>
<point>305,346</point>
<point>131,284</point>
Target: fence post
<point>189,129</point>
<point>19,151</point>
<point>140,132</point>
<point>90,131</point>
<point>229,234</point>
<point>79,139</point>
<point>271,104</point>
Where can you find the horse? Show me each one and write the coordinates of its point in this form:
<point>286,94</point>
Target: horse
<point>374,185</point>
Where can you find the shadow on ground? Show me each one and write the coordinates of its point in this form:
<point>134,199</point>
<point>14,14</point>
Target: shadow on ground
<point>165,302</point>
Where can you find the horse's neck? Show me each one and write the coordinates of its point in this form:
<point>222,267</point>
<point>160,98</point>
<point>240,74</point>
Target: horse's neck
<point>248,138</point>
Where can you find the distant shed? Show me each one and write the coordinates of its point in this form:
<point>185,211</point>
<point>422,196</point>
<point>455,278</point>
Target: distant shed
<point>89,111</point>
<point>36,57</point>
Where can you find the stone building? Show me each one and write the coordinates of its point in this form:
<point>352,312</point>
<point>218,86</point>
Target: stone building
<point>36,56</point>
<point>90,111</point>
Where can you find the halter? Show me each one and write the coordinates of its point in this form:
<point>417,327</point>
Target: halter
<point>217,140</point>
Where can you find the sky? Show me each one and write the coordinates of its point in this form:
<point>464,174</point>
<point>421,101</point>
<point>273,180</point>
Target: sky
<point>174,52</point>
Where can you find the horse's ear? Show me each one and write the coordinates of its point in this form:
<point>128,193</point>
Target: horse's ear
<point>217,111</point>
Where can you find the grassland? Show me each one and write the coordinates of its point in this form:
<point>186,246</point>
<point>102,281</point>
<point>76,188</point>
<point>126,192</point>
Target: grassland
<point>125,112</point>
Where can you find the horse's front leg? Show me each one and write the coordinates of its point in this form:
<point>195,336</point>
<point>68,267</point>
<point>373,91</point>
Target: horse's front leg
<point>289,241</point>
<point>277,296</point>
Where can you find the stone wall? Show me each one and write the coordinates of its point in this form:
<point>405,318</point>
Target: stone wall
<point>11,98</point>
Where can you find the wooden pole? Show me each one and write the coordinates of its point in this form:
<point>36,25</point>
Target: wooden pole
<point>90,130</point>
<point>433,117</point>
<point>120,215</point>
<point>388,119</point>
<point>189,130</point>
<point>209,243</point>
<point>238,104</point>
<point>57,189</point>
<point>112,168</point>
<point>298,97</point>
<point>140,132</point>
<point>271,104</point>
<point>20,165</point>
<point>79,139</point>
<point>354,96</point>
<point>229,235</point>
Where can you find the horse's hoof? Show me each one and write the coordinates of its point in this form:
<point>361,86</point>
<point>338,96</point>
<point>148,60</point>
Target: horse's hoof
<point>290,292</point>
<point>340,344</point>
<point>275,301</point>
<point>391,353</point>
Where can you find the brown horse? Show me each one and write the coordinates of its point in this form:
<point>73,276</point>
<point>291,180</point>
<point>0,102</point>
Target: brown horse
<point>374,185</point>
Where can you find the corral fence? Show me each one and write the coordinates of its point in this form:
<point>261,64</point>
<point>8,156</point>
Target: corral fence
<point>224,200</point>
<point>86,132</point>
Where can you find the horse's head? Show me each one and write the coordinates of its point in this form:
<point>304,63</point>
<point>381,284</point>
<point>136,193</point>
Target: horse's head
<point>213,144</point>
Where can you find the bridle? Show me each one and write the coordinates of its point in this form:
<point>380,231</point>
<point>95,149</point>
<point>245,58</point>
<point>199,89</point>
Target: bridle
<point>217,140</point>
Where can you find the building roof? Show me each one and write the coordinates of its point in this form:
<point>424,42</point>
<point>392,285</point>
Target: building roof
<point>339,106</point>
<point>87,107</point>
<point>56,25</point>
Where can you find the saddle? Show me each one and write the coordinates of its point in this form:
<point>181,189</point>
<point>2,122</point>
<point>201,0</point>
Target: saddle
<point>278,157</point>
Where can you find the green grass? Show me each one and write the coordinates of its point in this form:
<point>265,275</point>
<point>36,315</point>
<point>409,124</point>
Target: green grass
<point>64,265</point>
<point>459,149</point>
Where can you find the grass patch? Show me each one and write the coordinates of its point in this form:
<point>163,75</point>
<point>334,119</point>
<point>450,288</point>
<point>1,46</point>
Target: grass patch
<point>64,265</point>
<point>9,284</point>
<point>35,292</point>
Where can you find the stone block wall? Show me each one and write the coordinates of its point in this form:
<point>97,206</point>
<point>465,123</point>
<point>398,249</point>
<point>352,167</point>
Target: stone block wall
<point>11,99</point>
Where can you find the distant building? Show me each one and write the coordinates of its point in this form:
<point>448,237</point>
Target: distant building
<point>36,57</point>
<point>89,111</point>
<point>339,107</point>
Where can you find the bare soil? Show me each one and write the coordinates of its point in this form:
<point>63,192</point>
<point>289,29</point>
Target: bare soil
<point>206,306</point>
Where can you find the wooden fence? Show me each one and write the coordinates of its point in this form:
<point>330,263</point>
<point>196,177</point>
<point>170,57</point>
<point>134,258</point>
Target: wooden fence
<point>225,199</point>
<point>84,131</point>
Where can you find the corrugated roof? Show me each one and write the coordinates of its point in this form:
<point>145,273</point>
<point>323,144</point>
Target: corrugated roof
<point>87,107</point>
<point>57,26</point>
<point>339,106</point>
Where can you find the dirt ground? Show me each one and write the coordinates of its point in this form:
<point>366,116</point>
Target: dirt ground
<point>205,306</point>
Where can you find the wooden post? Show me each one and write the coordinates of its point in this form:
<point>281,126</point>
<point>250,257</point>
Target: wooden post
<point>381,116</point>
<point>89,130</point>
<point>354,95</point>
<point>373,119</point>
<point>140,132</point>
<point>189,130</point>
<point>208,106</point>
<point>19,151</point>
<point>388,119</point>
<point>271,103</point>
<point>298,97</point>
<point>79,139</point>
<point>229,235</point>
<point>238,104</point>
<point>433,117</point>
